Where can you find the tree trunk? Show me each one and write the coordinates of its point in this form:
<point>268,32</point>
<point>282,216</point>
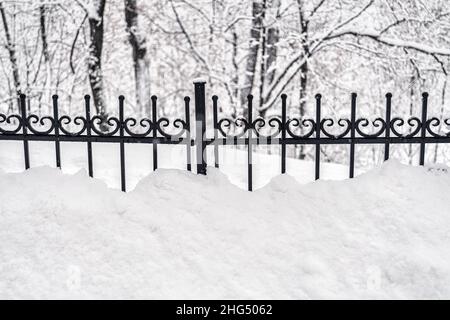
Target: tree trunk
<point>46,54</point>
<point>263,44</point>
<point>140,59</point>
<point>12,54</point>
<point>269,53</point>
<point>303,69</point>
<point>235,79</point>
<point>96,25</point>
<point>273,36</point>
<point>255,37</point>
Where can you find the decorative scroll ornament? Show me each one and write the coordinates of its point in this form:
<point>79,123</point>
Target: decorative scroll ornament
<point>239,125</point>
<point>436,123</point>
<point>80,122</point>
<point>413,122</point>
<point>308,124</point>
<point>274,126</point>
<point>33,119</point>
<point>111,123</point>
<point>329,123</point>
<point>129,124</point>
<point>9,120</point>
<point>177,123</point>
<point>364,123</point>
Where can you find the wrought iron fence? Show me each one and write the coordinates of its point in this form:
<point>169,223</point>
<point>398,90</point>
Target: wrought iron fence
<point>249,131</point>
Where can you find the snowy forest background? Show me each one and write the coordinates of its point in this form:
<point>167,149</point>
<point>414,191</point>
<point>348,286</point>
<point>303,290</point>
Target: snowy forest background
<point>264,47</point>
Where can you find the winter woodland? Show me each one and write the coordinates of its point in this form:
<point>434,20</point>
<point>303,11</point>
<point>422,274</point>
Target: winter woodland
<point>262,47</point>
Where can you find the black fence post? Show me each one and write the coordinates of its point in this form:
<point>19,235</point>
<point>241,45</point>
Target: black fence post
<point>188,132</point>
<point>424,127</point>
<point>155,133</point>
<point>56,119</point>
<point>216,134</point>
<point>388,125</point>
<point>26,152</point>
<point>200,126</point>
<point>122,145</point>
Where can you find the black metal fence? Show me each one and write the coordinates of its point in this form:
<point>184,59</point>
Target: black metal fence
<point>248,131</point>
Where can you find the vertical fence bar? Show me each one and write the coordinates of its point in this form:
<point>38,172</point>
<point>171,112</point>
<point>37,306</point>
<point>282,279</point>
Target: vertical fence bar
<point>26,151</point>
<point>56,119</point>
<point>249,149</point>
<point>215,121</point>
<point>122,144</point>
<point>155,133</point>
<point>318,115</point>
<point>424,127</point>
<point>188,133</point>
<point>283,133</point>
<point>352,136</point>
<point>388,125</point>
<point>87,100</point>
<point>200,126</point>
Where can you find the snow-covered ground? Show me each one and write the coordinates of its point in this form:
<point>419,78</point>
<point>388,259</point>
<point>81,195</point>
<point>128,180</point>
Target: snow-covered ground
<point>384,234</point>
<point>139,162</point>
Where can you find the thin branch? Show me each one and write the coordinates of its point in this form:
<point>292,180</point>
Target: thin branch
<point>393,42</point>
<point>188,38</point>
<point>72,48</point>
<point>315,9</point>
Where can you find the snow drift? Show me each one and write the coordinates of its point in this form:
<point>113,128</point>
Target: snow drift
<point>384,234</point>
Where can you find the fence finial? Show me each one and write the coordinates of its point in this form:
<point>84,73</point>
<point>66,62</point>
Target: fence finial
<point>199,80</point>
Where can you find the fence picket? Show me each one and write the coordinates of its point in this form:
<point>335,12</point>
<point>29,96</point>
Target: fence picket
<point>56,124</point>
<point>352,135</point>
<point>283,133</point>
<point>87,102</point>
<point>317,157</point>
<point>388,125</point>
<point>423,127</point>
<point>26,151</point>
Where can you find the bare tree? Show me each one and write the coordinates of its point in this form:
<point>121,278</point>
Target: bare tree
<point>11,51</point>
<point>269,41</point>
<point>303,23</point>
<point>45,52</point>
<point>96,27</point>
<point>342,29</point>
<point>254,45</point>
<point>140,58</point>
<point>273,36</point>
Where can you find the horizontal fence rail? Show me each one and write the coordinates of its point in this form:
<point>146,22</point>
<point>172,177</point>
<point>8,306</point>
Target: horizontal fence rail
<point>249,131</point>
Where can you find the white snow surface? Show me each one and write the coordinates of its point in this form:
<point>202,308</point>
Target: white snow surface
<point>384,234</point>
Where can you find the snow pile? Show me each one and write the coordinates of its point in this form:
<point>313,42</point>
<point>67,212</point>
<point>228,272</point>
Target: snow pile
<point>384,234</point>
<point>138,157</point>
